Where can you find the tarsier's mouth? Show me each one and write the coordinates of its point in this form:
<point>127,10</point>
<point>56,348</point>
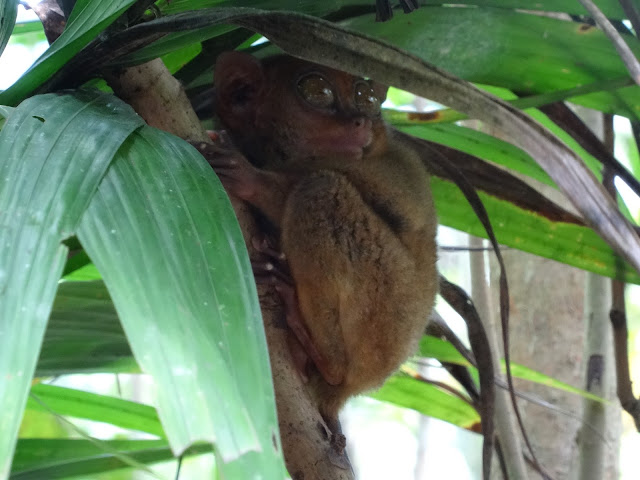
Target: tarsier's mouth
<point>354,143</point>
<point>343,146</point>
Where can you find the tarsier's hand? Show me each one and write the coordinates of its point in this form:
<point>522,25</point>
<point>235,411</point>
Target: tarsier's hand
<point>238,176</point>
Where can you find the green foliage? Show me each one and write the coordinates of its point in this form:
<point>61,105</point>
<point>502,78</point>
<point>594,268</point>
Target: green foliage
<point>176,274</point>
<point>428,400</point>
<point>528,54</point>
<point>66,458</point>
<point>51,169</point>
<point>8,12</point>
<point>160,280</point>
<point>99,408</point>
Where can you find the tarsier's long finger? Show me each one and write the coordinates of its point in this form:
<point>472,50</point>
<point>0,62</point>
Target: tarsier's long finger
<point>225,171</point>
<point>211,149</point>
<point>220,158</point>
<point>224,139</point>
<point>261,244</point>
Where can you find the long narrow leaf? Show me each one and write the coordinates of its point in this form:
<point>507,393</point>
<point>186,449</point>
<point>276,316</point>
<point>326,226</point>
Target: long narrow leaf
<point>568,243</point>
<point>480,145</point>
<point>84,334</point>
<point>54,150</point>
<point>99,408</point>
<point>428,400</point>
<point>536,54</point>
<point>8,13</point>
<point>50,459</point>
<point>162,233</point>
<point>610,7</point>
<point>441,350</point>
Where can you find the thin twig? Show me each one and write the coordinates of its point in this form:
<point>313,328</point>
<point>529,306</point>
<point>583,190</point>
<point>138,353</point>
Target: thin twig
<point>441,385</point>
<point>627,56</point>
<point>618,314</point>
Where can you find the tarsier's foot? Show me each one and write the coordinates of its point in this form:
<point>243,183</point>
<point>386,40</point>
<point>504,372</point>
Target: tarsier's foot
<point>338,443</point>
<point>338,452</point>
<point>262,244</point>
<point>275,271</point>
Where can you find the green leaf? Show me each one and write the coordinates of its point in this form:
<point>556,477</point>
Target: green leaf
<point>75,262</point>
<point>611,8</point>
<point>4,114</point>
<point>427,399</point>
<point>84,334</point>
<point>574,245</point>
<point>172,42</point>
<point>485,146</point>
<point>594,165</point>
<point>86,273</point>
<point>520,371</point>
<point>88,19</point>
<point>22,28</point>
<point>178,40</point>
<point>481,145</point>
<point>163,234</point>
<point>309,7</point>
<point>38,459</point>
<point>55,150</point>
<point>99,408</point>
<point>443,351</point>
<point>177,59</point>
<point>536,54</point>
<point>8,13</point>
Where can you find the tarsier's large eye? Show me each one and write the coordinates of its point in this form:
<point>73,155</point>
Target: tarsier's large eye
<point>316,90</point>
<point>365,99</point>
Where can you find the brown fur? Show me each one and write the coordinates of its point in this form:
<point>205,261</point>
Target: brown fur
<point>354,211</point>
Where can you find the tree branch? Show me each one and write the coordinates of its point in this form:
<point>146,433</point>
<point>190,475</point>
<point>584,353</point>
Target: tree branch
<point>618,314</point>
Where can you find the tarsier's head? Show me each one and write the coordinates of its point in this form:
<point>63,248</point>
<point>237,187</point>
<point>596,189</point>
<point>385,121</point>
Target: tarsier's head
<point>297,109</point>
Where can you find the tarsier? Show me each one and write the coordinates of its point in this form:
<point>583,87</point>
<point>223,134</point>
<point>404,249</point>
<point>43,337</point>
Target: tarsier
<point>351,203</point>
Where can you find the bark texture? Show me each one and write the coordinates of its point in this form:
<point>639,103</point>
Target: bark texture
<point>547,334</point>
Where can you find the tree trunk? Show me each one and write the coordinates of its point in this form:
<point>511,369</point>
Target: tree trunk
<point>599,379</point>
<point>547,334</point>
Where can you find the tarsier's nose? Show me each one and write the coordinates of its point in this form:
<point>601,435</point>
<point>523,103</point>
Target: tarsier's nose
<point>359,122</point>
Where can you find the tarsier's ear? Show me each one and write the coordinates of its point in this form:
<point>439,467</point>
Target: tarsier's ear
<point>379,90</point>
<point>238,80</point>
